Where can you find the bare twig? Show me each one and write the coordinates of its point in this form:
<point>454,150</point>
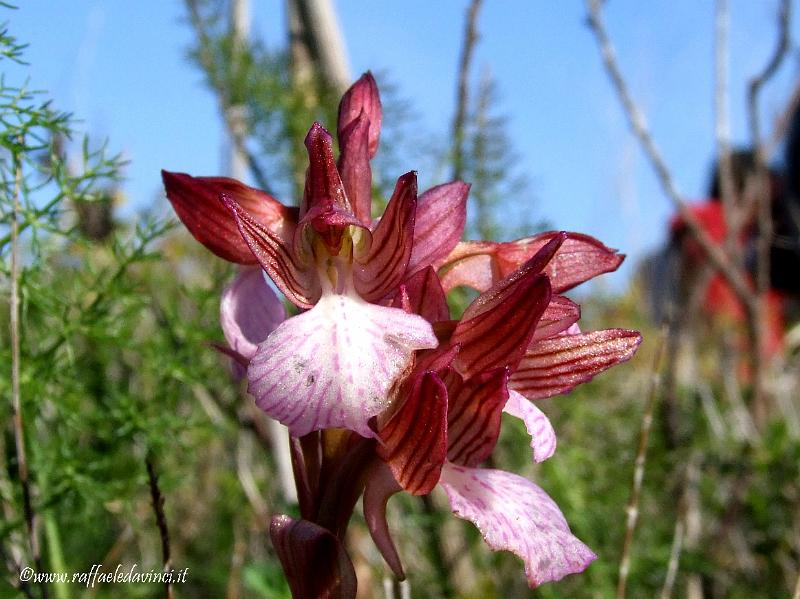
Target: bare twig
<point>796,594</point>
<point>781,125</point>
<point>161,520</point>
<point>716,254</point>
<point>674,557</point>
<point>632,509</point>
<point>758,321</point>
<point>769,70</point>
<point>462,101</point>
<point>31,519</point>
<point>727,186</point>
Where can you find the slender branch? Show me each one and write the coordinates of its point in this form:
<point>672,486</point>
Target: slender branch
<point>31,519</point>
<point>161,520</point>
<point>632,509</point>
<point>781,125</point>
<point>730,201</point>
<point>716,254</point>
<point>769,70</point>
<point>754,89</point>
<point>674,557</point>
<point>764,208</point>
<point>462,103</point>
<point>796,594</point>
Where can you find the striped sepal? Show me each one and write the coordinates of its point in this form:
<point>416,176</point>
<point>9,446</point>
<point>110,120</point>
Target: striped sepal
<point>558,365</point>
<point>297,281</point>
<point>414,441</point>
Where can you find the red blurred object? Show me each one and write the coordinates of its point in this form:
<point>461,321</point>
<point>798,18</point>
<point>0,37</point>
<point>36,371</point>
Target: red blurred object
<point>718,299</point>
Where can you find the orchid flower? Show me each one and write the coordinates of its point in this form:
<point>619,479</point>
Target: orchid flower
<point>380,389</point>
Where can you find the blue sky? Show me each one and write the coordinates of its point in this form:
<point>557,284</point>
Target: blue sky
<point>120,67</point>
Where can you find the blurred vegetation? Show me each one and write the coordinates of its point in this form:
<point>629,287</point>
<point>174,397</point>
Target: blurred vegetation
<point>117,371</point>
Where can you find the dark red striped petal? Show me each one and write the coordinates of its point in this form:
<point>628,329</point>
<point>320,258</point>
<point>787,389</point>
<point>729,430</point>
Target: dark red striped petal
<point>560,314</point>
<point>414,441</point>
<point>295,279</point>
<point>440,219</point>
<point>423,294</point>
<point>380,486</point>
<point>313,559</point>
<point>579,259</point>
<point>196,202</point>
<point>362,96</point>
<point>480,264</point>
<point>382,267</point>
<point>473,419</point>
<point>354,167</point>
<point>558,365</point>
<point>498,326</point>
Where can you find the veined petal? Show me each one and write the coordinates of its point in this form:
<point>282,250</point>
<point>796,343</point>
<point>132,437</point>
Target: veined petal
<point>559,364</point>
<point>560,315</point>
<point>424,296</point>
<point>579,259</point>
<point>295,279</point>
<point>441,215</point>
<point>362,96</point>
<point>516,515</point>
<point>196,202</point>
<point>334,366</point>
<point>414,441</point>
<point>543,437</point>
<point>249,311</point>
<point>305,547</point>
<point>473,419</point>
<point>354,167</point>
<point>383,265</point>
<point>498,326</point>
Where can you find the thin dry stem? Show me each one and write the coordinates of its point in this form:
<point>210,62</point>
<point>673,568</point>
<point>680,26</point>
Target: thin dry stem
<point>758,318</point>
<point>674,558</point>
<point>632,509</point>
<point>161,520</point>
<point>462,96</point>
<point>31,519</point>
<point>729,198</point>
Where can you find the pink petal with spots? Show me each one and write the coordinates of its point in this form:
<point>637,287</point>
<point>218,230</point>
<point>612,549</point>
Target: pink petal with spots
<point>543,437</point>
<point>249,311</point>
<point>333,366</point>
<point>514,514</point>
